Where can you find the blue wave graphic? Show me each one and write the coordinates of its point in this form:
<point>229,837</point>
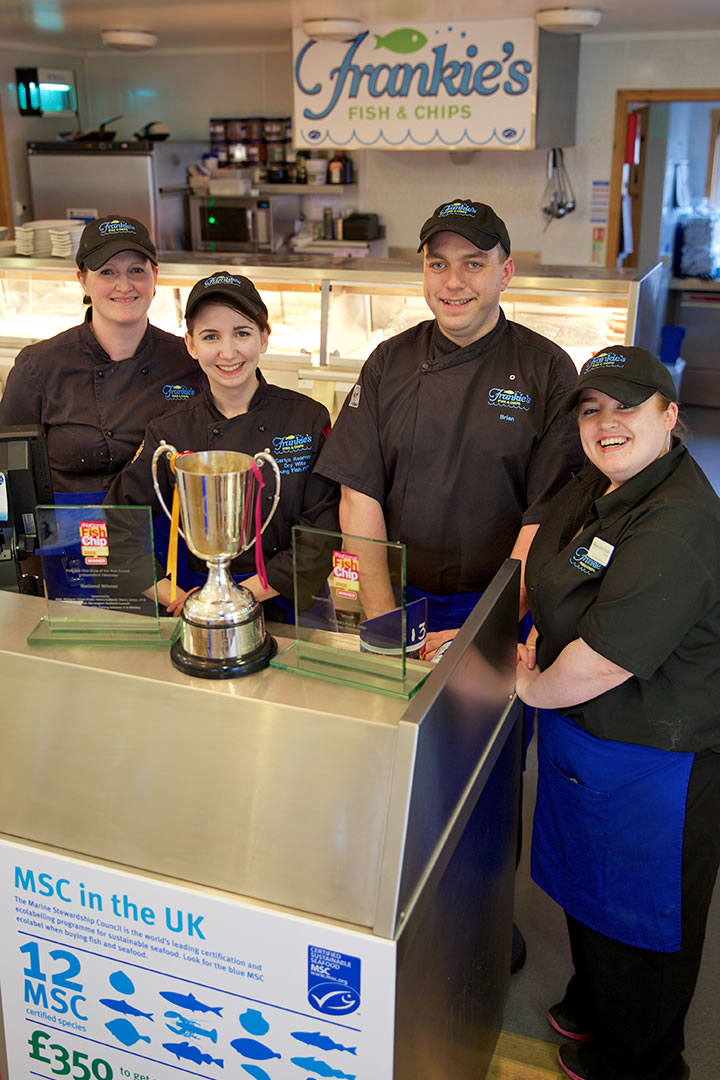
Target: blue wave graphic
<point>408,137</point>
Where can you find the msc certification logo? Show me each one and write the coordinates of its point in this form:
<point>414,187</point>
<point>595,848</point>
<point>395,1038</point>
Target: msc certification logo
<point>333,981</point>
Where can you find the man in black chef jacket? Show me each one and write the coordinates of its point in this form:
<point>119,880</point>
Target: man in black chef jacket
<point>454,438</point>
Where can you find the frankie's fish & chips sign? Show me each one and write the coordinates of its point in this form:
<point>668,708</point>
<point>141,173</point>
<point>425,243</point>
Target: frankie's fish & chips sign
<point>467,85</point>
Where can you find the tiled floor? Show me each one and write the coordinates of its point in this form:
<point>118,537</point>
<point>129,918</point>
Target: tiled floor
<point>543,979</point>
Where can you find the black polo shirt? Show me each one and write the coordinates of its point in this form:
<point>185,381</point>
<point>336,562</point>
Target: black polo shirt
<point>460,446</point>
<point>95,410</point>
<point>291,425</point>
<point>651,604</point>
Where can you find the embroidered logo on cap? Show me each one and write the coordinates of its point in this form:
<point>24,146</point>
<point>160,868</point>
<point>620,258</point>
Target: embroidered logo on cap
<point>221,279</point>
<point>109,228</point>
<point>604,360</point>
<point>176,392</point>
<point>458,208</point>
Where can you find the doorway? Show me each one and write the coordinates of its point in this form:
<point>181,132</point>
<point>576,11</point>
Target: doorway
<point>627,169</point>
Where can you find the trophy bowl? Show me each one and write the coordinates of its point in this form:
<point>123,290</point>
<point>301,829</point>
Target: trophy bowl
<point>222,632</point>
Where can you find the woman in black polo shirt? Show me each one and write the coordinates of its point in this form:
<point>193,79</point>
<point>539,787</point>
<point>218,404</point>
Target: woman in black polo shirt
<point>624,588</point>
<point>95,388</point>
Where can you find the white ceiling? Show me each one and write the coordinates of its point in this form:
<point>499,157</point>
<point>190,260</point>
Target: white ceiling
<point>181,24</point>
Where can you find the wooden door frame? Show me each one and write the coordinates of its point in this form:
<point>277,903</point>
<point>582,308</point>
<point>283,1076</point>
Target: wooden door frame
<point>623,99</point>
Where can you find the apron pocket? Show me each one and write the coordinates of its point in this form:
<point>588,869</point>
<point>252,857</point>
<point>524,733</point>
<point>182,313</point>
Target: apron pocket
<point>561,852</point>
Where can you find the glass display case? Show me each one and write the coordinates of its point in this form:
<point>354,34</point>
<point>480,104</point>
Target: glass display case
<point>328,315</point>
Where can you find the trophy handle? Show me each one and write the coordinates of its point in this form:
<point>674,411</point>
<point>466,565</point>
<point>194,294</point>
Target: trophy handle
<point>260,459</point>
<point>169,449</point>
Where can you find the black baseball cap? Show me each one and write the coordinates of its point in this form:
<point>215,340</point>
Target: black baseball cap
<point>627,373</point>
<point>107,236</point>
<point>476,221</point>
<point>239,290</point>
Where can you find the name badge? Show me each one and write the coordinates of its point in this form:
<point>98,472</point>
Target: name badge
<point>601,551</point>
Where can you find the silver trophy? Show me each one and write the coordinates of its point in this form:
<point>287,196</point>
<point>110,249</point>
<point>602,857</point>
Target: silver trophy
<point>223,625</point>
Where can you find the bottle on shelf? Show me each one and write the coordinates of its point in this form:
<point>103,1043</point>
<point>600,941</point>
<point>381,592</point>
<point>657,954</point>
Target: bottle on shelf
<point>348,176</point>
<point>336,167</point>
<point>300,170</point>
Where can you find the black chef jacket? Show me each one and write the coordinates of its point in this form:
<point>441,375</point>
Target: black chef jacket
<point>460,446</point>
<point>292,426</point>
<point>654,609</point>
<point>95,410</point>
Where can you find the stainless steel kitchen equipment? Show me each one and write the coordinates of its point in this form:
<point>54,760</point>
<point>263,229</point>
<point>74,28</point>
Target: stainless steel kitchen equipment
<point>249,223</point>
<point>146,179</point>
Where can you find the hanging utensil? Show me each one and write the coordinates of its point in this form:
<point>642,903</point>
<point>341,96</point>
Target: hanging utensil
<point>565,179</point>
<point>558,197</point>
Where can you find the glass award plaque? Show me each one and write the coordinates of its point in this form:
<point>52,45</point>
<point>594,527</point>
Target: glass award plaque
<point>99,574</point>
<point>352,624</point>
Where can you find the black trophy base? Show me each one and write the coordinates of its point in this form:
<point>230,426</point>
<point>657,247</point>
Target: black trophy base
<point>231,667</point>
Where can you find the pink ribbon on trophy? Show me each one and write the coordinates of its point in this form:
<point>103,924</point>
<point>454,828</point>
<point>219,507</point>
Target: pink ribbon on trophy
<point>259,560</point>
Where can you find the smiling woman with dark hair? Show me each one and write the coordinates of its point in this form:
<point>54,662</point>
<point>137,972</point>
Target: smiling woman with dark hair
<point>95,388</point>
<point>227,334</point>
<point>624,588</point>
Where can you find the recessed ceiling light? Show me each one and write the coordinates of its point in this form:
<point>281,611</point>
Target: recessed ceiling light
<point>129,40</point>
<point>332,29</point>
<point>568,20</point>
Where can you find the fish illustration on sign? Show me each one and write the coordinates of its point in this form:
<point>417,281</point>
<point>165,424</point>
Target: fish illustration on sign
<point>189,1001</point>
<point>253,1049</point>
<point>124,1007</point>
<point>323,1042</point>
<point>254,1022</point>
<point>256,1072</point>
<point>183,1026</point>
<point>122,983</point>
<point>125,1032</point>
<point>187,1052</point>
<point>321,1068</point>
<point>401,41</point>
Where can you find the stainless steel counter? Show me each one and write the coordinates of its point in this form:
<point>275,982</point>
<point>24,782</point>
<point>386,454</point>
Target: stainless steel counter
<point>391,818</point>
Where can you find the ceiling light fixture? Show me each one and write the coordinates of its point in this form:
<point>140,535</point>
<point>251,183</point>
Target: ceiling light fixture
<point>568,20</point>
<point>332,29</point>
<point>129,40</point>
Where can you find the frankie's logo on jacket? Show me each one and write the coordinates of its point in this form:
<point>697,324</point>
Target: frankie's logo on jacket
<point>291,444</point>
<point>509,399</point>
<point>177,392</point>
<point>582,560</point>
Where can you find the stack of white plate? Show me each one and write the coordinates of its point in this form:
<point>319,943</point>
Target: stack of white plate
<point>33,238</point>
<point>64,242</point>
<point>7,248</point>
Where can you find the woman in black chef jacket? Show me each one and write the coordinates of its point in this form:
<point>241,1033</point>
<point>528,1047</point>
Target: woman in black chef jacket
<point>95,388</point>
<point>624,589</point>
<point>227,333</point>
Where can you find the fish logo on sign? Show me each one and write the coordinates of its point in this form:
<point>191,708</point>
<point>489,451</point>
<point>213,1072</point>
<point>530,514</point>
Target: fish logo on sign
<point>334,999</point>
<point>401,41</point>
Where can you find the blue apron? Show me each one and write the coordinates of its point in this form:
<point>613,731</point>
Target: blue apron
<point>608,832</point>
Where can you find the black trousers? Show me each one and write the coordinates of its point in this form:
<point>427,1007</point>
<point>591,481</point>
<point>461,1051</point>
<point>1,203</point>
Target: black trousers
<point>634,1001</point>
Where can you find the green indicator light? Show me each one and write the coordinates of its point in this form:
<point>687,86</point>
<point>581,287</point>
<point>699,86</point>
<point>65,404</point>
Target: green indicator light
<point>211,221</point>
